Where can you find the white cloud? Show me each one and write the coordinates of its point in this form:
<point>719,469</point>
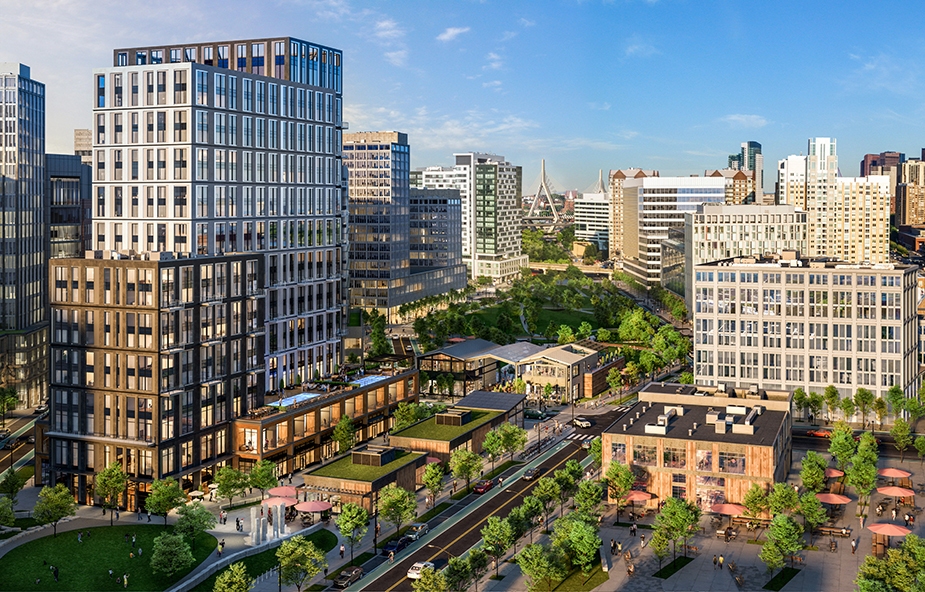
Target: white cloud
<point>508,35</point>
<point>494,84</point>
<point>397,58</point>
<point>599,106</point>
<point>388,30</point>
<point>526,23</point>
<point>884,72</point>
<point>741,120</point>
<point>628,134</point>
<point>452,33</point>
<point>494,62</point>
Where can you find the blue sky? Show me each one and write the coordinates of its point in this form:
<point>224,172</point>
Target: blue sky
<point>671,85</point>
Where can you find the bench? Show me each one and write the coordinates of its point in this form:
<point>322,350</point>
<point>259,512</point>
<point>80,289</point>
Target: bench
<point>740,581</point>
<point>834,531</point>
<point>721,534</point>
<point>732,566</point>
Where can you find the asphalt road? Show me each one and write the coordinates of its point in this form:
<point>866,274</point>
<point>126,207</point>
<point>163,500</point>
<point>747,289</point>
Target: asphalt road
<point>18,453</point>
<point>454,542</point>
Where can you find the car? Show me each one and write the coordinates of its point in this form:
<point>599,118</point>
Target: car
<point>483,486</point>
<point>414,572</point>
<point>581,422</point>
<point>534,414</point>
<point>586,444</point>
<point>396,545</point>
<point>348,576</point>
<point>4,432</point>
<point>531,474</point>
<point>857,438</point>
<point>819,433</point>
<point>417,530</point>
<point>41,409</point>
<point>25,439</point>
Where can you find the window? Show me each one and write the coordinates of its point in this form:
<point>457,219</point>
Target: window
<point>674,458</point>
<point>732,462</point>
<point>202,88</point>
<point>705,460</point>
<point>644,455</point>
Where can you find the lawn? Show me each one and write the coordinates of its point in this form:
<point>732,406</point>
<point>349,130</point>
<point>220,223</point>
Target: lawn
<point>490,318</point>
<point>25,473</point>
<point>85,566</point>
<point>781,579</point>
<point>345,469</point>
<point>579,581</point>
<point>429,430</point>
<point>672,568</point>
<point>562,317</point>
<point>264,561</point>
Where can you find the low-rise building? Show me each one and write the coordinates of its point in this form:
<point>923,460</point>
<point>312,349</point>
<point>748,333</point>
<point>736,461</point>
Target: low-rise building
<point>703,444</point>
<point>563,367</point>
<point>467,361</point>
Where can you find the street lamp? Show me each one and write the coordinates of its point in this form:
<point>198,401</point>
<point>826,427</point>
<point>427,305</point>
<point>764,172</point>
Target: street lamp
<point>442,550</point>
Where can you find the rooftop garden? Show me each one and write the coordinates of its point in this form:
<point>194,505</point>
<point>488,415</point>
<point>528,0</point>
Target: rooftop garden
<point>430,430</point>
<point>345,469</point>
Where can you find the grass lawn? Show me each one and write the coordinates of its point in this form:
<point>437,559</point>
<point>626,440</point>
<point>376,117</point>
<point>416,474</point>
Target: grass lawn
<point>579,581</point>
<point>781,579</point>
<point>672,568</point>
<point>264,561</point>
<point>429,430</point>
<point>489,316</point>
<point>358,560</point>
<point>85,566</point>
<point>25,473</point>
<point>562,317</point>
<point>345,469</point>
<point>25,523</point>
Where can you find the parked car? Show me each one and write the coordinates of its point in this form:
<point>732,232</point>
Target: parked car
<point>348,576</point>
<point>4,432</point>
<point>41,409</point>
<point>819,433</point>
<point>581,422</point>
<point>414,572</point>
<point>417,530</point>
<point>396,545</point>
<point>483,486</point>
<point>534,414</point>
<point>531,474</point>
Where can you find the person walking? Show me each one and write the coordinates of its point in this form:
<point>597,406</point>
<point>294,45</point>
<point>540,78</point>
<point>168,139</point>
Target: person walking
<point>642,541</point>
<point>619,547</point>
<point>721,560</point>
<point>149,515</point>
<point>391,556</point>
<point>56,574</point>
<point>906,519</point>
<point>125,580</point>
<point>894,515</point>
<point>854,545</point>
<point>714,562</point>
<point>613,547</point>
<point>139,551</point>
<point>133,539</point>
<point>342,551</point>
<point>138,511</point>
<point>117,514</point>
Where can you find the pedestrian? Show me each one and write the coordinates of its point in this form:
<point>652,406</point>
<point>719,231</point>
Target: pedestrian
<point>894,514</point>
<point>218,550</point>
<point>222,544</point>
<point>138,511</point>
<point>211,495</point>
<point>117,514</point>
<point>619,547</point>
<point>133,539</point>
<point>104,510</point>
<point>391,556</point>
<point>125,538</point>
<point>80,536</point>
<point>149,515</point>
<point>378,526</point>
<point>500,481</point>
<point>325,572</point>
<point>131,554</point>
<point>125,581</point>
<point>342,551</point>
<point>290,478</point>
<point>56,574</point>
<point>642,541</point>
<point>110,573</point>
<point>139,551</point>
<point>613,547</point>
<point>721,560</point>
<point>854,545</point>
<point>714,562</point>
<point>912,520</point>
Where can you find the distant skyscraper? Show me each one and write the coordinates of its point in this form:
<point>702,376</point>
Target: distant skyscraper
<point>749,159</point>
<point>68,187</point>
<point>83,145</point>
<point>617,224</point>
<point>23,235</point>
<point>884,159</point>
<point>910,196</point>
<point>592,215</point>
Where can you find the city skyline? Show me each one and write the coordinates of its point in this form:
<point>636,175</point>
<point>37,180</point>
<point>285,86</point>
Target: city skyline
<point>533,81</point>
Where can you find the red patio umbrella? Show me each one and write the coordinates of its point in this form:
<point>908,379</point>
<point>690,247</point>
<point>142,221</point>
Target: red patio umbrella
<point>433,459</point>
<point>894,473</point>
<point>637,496</point>
<point>833,498</point>
<point>830,472</point>
<point>893,491</point>
<point>728,510</point>
<point>275,501</point>
<point>313,506</point>
<point>889,529</point>
<point>284,491</point>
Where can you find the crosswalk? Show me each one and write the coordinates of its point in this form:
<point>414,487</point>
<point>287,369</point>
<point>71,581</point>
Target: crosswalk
<point>623,408</point>
<point>580,436</point>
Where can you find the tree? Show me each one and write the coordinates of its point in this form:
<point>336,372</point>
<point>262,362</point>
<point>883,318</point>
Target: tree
<point>171,554</point>
<point>596,451</point>
<point>862,474</point>
<point>165,495</point>
<point>863,400</point>
<point>8,401</point>
<point>492,446</point>
<point>262,476</point>
<point>848,408</point>
<point>541,565</point>
<point>604,335</point>
<point>786,534</point>
<point>899,571</point>
<point>478,564</point>
<point>812,511</point>
<point>465,464</point>
<point>577,537</point>
<point>110,483</point>
<point>344,434</point>
<point>812,473</point>
<point>299,561</point>
<point>815,406</point>
<point>755,501</point>
<point>193,519</point>
<point>433,480</point>
<point>620,480</point>
<point>677,521</point>
<point>902,436</point>
<point>686,378</point>
<point>513,438</point>
<point>532,509</point>
<point>397,505</point>
<point>771,555</point>
<point>897,399</point>
<point>615,379</point>
<point>231,483</point>
<point>234,579</point>
<point>497,538</point>
<point>458,574</point>
<point>7,517</point>
<point>782,499</point>
<point>430,581</point>
<point>11,485</point>
<point>842,445</point>
<point>568,485</point>
<point>353,523</point>
<point>920,448</point>
<point>800,400</point>
<point>54,503</point>
<point>520,386</point>
<point>584,330</point>
<point>547,391</point>
<point>832,399</point>
<point>405,415</point>
<point>547,492</point>
<point>565,334</point>
<point>880,409</point>
<point>915,409</point>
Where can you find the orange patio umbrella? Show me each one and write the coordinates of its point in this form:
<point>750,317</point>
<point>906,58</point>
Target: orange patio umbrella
<point>284,491</point>
<point>830,472</point>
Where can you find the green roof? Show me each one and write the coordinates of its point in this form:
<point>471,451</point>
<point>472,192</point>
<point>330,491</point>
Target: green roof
<point>345,469</point>
<point>429,430</point>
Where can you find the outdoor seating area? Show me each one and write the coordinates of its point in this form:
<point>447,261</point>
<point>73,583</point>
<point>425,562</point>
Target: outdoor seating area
<point>842,531</point>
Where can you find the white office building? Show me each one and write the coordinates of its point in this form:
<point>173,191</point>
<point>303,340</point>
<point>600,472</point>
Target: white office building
<point>592,218</point>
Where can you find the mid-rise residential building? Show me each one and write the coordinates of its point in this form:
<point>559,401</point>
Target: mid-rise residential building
<point>719,231</point>
<point>68,187</point>
<point>592,216</point>
<point>226,147</point>
<point>83,145</point>
<point>490,190</point>
<point>741,186</point>
<point>653,205</point>
<point>749,159</point>
<point>910,193</point>
<point>394,259</point>
<point>783,322</point>
<point>848,217</point>
<point>23,236</point>
<point>616,216</point>
<point>152,358</point>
